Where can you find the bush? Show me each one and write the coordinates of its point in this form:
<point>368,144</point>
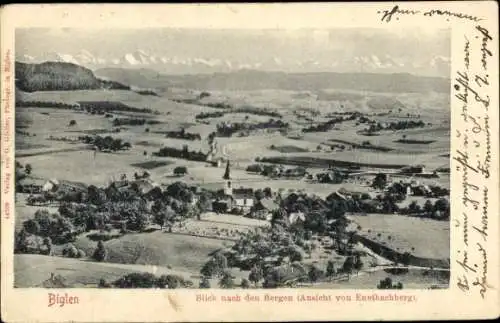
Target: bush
<point>387,284</point>
<point>204,282</point>
<point>315,274</point>
<point>136,280</point>
<point>103,283</point>
<point>70,251</point>
<point>72,123</point>
<point>169,281</point>
<point>100,252</point>
<point>226,281</point>
<point>81,253</point>
<point>245,283</point>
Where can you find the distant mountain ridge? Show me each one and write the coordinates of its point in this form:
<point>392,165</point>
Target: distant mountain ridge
<point>59,76</point>
<point>259,80</point>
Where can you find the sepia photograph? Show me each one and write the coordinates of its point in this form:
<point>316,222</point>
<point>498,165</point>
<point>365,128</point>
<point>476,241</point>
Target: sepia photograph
<point>176,158</point>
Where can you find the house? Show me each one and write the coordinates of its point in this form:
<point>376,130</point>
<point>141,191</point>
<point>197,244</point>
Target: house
<point>242,198</point>
<point>255,168</point>
<point>144,186</point>
<point>222,205</point>
<point>50,185</point>
<point>30,185</point>
<point>264,208</point>
<point>336,196</point>
<point>296,217</point>
<point>216,162</point>
<point>70,186</point>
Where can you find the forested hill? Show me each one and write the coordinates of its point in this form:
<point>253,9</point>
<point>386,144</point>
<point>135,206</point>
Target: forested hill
<point>258,80</point>
<point>58,76</point>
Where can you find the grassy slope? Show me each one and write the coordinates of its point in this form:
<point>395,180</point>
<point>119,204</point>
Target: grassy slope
<point>430,238</point>
<point>157,248</point>
<point>31,270</point>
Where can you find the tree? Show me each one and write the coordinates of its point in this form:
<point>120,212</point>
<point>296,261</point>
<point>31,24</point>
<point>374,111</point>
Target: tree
<point>255,275</point>
<point>380,181</point>
<point>226,281</point>
<point>428,207</point>
<point>348,265</point>
<point>314,274</point>
<point>413,207</point>
<point>210,269</point>
<point>100,252</point>
<point>358,263</point>
<point>259,194</point>
<point>96,195</point>
<point>443,206</point>
<point>245,283</point>
<point>204,203</point>
<point>204,282</point>
<point>70,251</point>
<point>55,226</point>
<point>168,281</point>
<point>330,269</point>
<point>385,283</point>
<point>47,242</point>
<point>31,226</point>
<point>103,283</point>
<point>163,214</point>
<point>21,245</point>
<point>81,253</point>
<point>406,258</point>
<point>180,170</point>
<point>136,280</point>
<point>28,169</point>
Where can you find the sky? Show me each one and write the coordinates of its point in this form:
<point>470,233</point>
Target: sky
<point>208,50</point>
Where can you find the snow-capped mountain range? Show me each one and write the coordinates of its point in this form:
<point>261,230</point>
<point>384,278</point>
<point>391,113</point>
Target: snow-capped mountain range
<point>436,66</point>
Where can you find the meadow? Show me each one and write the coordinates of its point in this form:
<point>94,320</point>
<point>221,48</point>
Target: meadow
<point>161,252</point>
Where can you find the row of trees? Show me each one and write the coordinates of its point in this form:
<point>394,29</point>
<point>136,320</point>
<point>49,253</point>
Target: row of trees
<point>107,143</point>
<point>102,107</point>
<point>328,125</point>
<point>207,115</point>
<point>395,125</point>
<point>133,122</point>
<point>228,129</point>
<point>182,134</point>
<point>183,153</point>
<point>44,104</point>
<point>148,280</point>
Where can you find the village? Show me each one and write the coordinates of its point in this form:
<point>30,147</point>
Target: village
<point>245,178</point>
<point>292,219</point>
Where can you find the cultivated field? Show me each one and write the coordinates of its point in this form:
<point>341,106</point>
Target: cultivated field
<point>185,250</point>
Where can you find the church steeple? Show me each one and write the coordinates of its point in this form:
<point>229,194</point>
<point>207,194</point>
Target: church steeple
<point>228,190</point>
<point>227,173</point>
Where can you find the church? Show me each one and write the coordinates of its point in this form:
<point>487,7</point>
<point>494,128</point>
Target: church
<point>240,198</point>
